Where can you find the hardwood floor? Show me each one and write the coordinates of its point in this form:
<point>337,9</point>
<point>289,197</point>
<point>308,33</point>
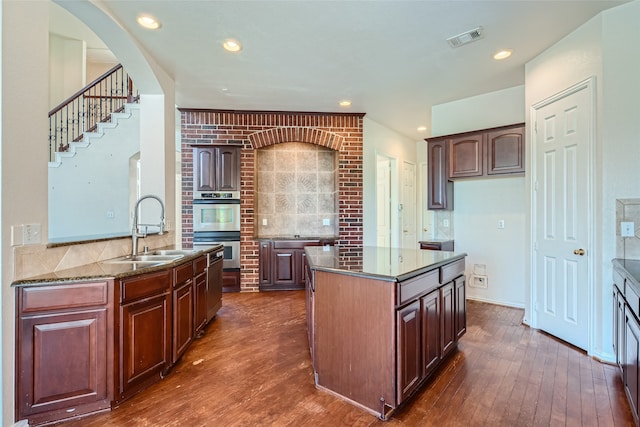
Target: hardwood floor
<point>252,368</point>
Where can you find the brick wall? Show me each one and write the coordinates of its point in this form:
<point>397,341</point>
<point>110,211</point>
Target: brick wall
<point>254,129</point>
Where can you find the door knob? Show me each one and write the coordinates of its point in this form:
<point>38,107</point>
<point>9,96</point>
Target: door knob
<point>578,252</point>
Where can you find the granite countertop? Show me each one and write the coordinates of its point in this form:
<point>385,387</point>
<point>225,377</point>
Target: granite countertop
<point>391,264</point>
<point>632,268</point>
<point>104,270</point>
<point>297,237</point>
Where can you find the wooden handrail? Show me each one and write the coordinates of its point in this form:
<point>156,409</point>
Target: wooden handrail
<point>89,106</point>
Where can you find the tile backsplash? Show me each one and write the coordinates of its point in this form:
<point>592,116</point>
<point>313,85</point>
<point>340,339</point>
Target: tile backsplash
<point>296,190</point>
<point>628,210</point>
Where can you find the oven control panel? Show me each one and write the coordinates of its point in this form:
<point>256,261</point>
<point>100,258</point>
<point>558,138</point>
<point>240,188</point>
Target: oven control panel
<point>218,195</point>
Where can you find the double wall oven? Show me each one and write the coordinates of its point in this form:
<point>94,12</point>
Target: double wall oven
<point>216,220</point>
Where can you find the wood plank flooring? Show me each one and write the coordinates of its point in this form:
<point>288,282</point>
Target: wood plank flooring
<point>252,368</point>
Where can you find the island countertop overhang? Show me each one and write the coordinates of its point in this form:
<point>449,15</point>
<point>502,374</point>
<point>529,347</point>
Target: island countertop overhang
<point>381,263</point>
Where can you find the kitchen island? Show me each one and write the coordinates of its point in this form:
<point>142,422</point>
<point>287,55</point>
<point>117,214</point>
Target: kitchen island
<point>381,320</point>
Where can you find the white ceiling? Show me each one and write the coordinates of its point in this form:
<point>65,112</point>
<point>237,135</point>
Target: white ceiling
<point>390,58</point>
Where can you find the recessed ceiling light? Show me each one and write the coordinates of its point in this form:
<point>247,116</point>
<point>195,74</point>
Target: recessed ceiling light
<point>232,45</point>
<point>421,128</point>
<point>149,22</point>
<point>502,54</point>
<point>345,103</point>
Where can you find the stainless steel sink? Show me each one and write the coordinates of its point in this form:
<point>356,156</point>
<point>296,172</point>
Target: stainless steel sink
<point>144,258</point>
<point>181,252</point>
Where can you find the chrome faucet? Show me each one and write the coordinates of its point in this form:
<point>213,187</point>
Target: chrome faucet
<point>135,230</point>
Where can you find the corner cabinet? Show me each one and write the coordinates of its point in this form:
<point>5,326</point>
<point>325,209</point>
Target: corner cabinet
<point>472,155</point>
<point>216,168</point>
<point>63,350</point>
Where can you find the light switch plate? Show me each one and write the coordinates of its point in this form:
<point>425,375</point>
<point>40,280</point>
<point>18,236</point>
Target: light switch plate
<point>627,229</point>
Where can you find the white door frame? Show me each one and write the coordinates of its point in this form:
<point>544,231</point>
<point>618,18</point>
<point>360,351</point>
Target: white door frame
<point>589,85</point>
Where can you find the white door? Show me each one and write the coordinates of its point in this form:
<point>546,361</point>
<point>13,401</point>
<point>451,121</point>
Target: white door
<point>562,187</point>
<point>383,199</point>
<point>409,235</point>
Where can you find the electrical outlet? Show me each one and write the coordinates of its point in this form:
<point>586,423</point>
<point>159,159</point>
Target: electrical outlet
<point>31,234</point>
<point>111,214</point>
<point>325,221</point>
<point>627,229</point>
<point>445,222</point>
<point>501,223</point>
<point>264,221</point>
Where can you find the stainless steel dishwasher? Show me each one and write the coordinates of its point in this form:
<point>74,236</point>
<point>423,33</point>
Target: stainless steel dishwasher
<point>214,283</point>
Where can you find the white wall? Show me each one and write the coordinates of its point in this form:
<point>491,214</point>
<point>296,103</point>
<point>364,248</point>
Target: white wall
<point>380,140</point>
<point>93,183</point>
<point>24,152</point>
<point>66,68</point>
<point>604,47</point>
<point>479,204</point>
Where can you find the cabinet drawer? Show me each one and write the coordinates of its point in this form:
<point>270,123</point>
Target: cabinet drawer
<point>451,271</point>
<point>412,288</point>
<point>199,265</point>
<point>294,244</point>
<point>183,273</point>
<point>64,296</point>
<point>145,286</point>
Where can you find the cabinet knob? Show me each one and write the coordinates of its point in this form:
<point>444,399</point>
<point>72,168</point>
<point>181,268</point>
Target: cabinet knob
<point>578,252</point>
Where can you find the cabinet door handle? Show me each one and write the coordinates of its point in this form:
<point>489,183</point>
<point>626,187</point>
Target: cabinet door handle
<point>578,252</point>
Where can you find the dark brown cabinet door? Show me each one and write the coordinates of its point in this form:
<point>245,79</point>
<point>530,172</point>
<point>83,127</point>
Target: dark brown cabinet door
<point>409,350</point>
<point>228,168</point>
<point>214,289</point>
<point>460,307</point>
<point>431,331</point>
<point>284,267</point>
<point>216,168</point>
<point>146,341</point>
<point>447,331</point>
<point>200,301</point>
<point>439,188</point>
<point>182,319</point>
<point>62,361</point>
<point>265,263</point>
<point>505,151</point>
<point>465,156</point>
<point>631,371</point>
<point>204,169</point>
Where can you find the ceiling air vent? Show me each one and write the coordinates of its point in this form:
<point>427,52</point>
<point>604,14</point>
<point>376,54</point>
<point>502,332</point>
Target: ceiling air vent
<point>466,37</point>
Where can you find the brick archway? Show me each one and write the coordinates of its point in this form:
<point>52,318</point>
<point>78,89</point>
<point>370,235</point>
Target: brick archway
<point>253,130</point>
<point>279,135</point>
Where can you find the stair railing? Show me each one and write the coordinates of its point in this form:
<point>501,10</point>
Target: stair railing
<point>89,106</point>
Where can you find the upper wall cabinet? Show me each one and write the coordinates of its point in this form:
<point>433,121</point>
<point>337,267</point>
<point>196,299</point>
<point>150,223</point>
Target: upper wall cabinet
<point>439,188</point>
<point>483,153</point>
<point>216,168</point>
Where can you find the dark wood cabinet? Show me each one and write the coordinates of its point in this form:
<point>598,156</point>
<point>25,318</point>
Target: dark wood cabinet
<point>505,151</point>
<point>348,316</point>
<point>183,303</point>
<point>478,154</point>
<point>439,188</point>
<point>431,347</point>
<point>466,156</point>
<point>216,168</point>
<point>145,331</point>
<point>409,349</point>
<point>64,342</point>
<point>282,263</point>
<point>200,293</point>
<point>631,372</point>
<point>626,330</point>
<point>86,347</point>
<point>214,286</point>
